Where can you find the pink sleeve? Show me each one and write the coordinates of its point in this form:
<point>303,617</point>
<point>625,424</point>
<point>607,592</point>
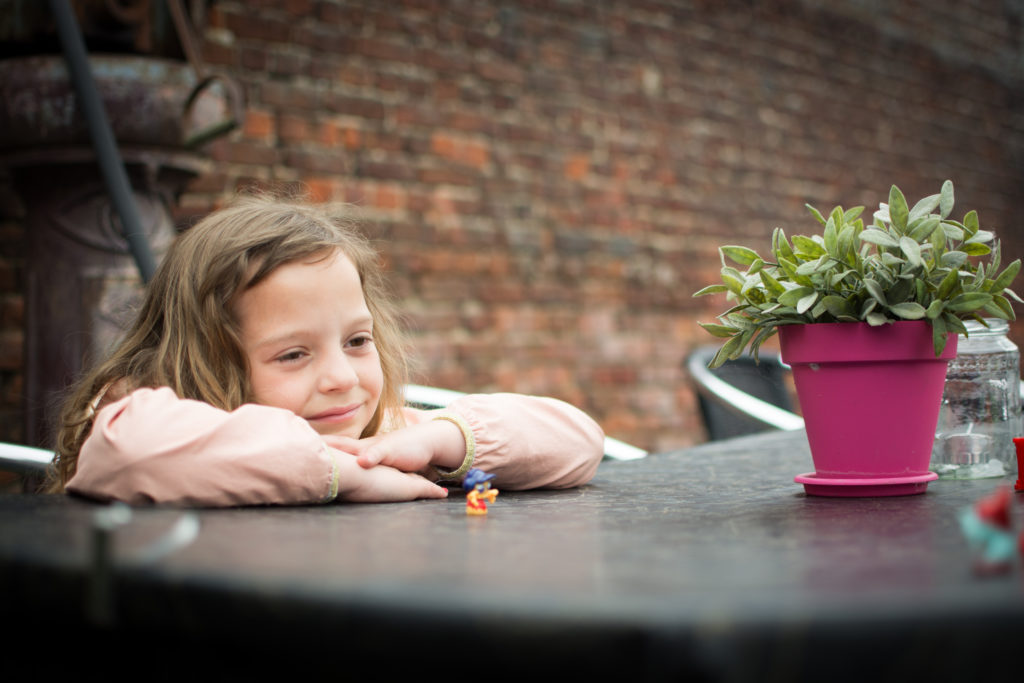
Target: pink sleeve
<point>528,441</point>
<point>153,447</point>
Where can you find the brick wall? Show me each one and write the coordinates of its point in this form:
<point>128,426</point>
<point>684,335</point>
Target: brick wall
<point>549,181</point>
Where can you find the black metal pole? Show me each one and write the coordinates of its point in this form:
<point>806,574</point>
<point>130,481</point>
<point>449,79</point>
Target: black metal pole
<point>102,135</point>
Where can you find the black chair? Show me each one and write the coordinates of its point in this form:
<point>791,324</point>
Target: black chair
<point>742,396</point>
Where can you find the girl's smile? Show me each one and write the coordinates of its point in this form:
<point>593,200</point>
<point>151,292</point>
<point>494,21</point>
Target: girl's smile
<point>336,415</point>
<point>308,335</point>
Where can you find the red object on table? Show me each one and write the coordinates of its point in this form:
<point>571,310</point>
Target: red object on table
<point>1019,443</point>
<point>994,509</point>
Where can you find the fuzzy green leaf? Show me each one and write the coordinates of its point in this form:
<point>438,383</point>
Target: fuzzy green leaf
<point>953,259</point>
<point>939,335</point>
<point>876,291</point>
<point>816,213</point>
<point>790,269</point>
<point>806,302</point>
<point>1005,278</point>
<point>811,267</point>
<point>912,250</point>
<point>852,213</point>
<point>837,277</point>
<point>969,301</point>
<point>924,229</point>
<point>838,306</point>
<point>975,248</point>
<point>794,296</point>
<point>970,223</point>
<point>831,238</point>
<point>924,207</point>
<point>879,237</point>
<point>938,240</point>
<point>891,261</point>
<point>846,242</point>
<point>719,330</point>
<point>953,323</point>
<point>1003,304</point>
<point>898,211</point>
<point>730,347</point>
<point>733,280</point>
<point>902,291</point>
<point>909,310</point>
<point>946,199</point>
<point>712,289</point>
<point>771,284</point>
<point>953,230</point>
<point>999,307</point>
<point>876,319</point>
<point>807,247</point>
<point>740,255</point>
<point>780,245</point>
<point>981,236</point>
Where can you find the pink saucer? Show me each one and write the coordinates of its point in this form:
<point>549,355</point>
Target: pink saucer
<point>864,488</point>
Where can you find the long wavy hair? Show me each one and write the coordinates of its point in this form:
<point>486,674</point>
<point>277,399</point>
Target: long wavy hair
<point>186,335</point>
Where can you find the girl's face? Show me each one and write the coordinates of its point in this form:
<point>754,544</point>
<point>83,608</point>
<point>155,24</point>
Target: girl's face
<point>308,335</point>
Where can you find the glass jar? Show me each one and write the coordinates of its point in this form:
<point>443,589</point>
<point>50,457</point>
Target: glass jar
<point>981,406</point>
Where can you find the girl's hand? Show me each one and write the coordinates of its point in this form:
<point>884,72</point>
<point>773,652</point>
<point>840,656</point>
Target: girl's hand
<point>410,449</point>
<point>381,484</point>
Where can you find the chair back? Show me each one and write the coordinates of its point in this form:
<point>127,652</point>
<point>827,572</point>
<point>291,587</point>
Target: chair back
<point>742,396</point>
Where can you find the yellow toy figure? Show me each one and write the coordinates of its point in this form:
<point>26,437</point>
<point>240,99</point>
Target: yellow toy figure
<point>477,484</point>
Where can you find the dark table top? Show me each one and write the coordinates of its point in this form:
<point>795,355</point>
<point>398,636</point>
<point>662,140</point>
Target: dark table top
<point>709,562</point>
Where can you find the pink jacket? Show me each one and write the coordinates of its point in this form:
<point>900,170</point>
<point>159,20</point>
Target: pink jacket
<point>152,446</point>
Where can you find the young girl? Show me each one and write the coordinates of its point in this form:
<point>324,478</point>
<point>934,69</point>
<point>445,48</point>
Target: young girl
<point>266,366</point>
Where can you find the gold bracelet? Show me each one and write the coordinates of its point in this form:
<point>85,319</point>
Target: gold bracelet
<point>467,434</point>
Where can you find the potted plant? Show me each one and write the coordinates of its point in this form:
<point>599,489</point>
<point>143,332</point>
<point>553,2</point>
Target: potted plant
<point>868,318</point>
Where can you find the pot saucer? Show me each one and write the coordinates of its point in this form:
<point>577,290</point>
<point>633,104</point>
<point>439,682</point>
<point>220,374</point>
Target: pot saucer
<point>855,488</point>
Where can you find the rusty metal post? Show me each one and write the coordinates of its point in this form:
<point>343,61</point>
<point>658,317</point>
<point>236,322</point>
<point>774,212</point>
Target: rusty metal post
<point>102,136</point>
<point>99,147</point>
<point>82,282</point>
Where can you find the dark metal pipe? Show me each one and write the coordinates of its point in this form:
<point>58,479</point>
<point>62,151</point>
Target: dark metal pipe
<point>102,136</point>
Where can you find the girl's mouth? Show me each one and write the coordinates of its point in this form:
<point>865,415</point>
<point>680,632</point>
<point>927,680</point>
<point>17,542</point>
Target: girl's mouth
<point>334,415</point>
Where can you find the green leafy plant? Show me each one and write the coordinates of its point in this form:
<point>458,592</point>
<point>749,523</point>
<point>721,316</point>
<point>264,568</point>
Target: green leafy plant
<point>910,264</point>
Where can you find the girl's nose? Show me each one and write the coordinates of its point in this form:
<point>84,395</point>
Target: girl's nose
<point>337,374</point>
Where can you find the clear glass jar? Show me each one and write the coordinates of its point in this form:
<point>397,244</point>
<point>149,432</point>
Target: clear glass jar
<point>981,406</point>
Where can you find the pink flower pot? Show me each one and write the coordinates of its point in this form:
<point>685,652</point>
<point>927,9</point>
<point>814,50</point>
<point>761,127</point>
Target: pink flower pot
<point>870,398</point>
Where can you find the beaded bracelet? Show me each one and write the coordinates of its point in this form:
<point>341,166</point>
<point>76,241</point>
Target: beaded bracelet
<point>467,434</point>
<point>335,474</point>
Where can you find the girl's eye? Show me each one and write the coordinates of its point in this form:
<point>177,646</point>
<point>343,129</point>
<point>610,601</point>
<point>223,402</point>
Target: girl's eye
<point>360,341</point>
<point>290,357</point>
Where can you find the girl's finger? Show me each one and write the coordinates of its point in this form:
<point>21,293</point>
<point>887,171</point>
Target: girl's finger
<point>436,491</point>
<point>371,457</point>
<point>344,443</point>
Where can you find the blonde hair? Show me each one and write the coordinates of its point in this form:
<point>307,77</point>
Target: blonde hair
<point>186,335</point>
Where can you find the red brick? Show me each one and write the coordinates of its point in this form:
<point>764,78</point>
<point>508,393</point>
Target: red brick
<point>294,129</point>
<point>258,124</point>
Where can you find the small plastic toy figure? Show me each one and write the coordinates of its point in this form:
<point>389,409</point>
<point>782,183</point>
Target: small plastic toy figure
<point>989,532</point>
<point>479,492</point>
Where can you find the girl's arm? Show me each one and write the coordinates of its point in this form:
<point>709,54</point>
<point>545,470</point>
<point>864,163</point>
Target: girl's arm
<point>526,441</point>
<point>152,446</point>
